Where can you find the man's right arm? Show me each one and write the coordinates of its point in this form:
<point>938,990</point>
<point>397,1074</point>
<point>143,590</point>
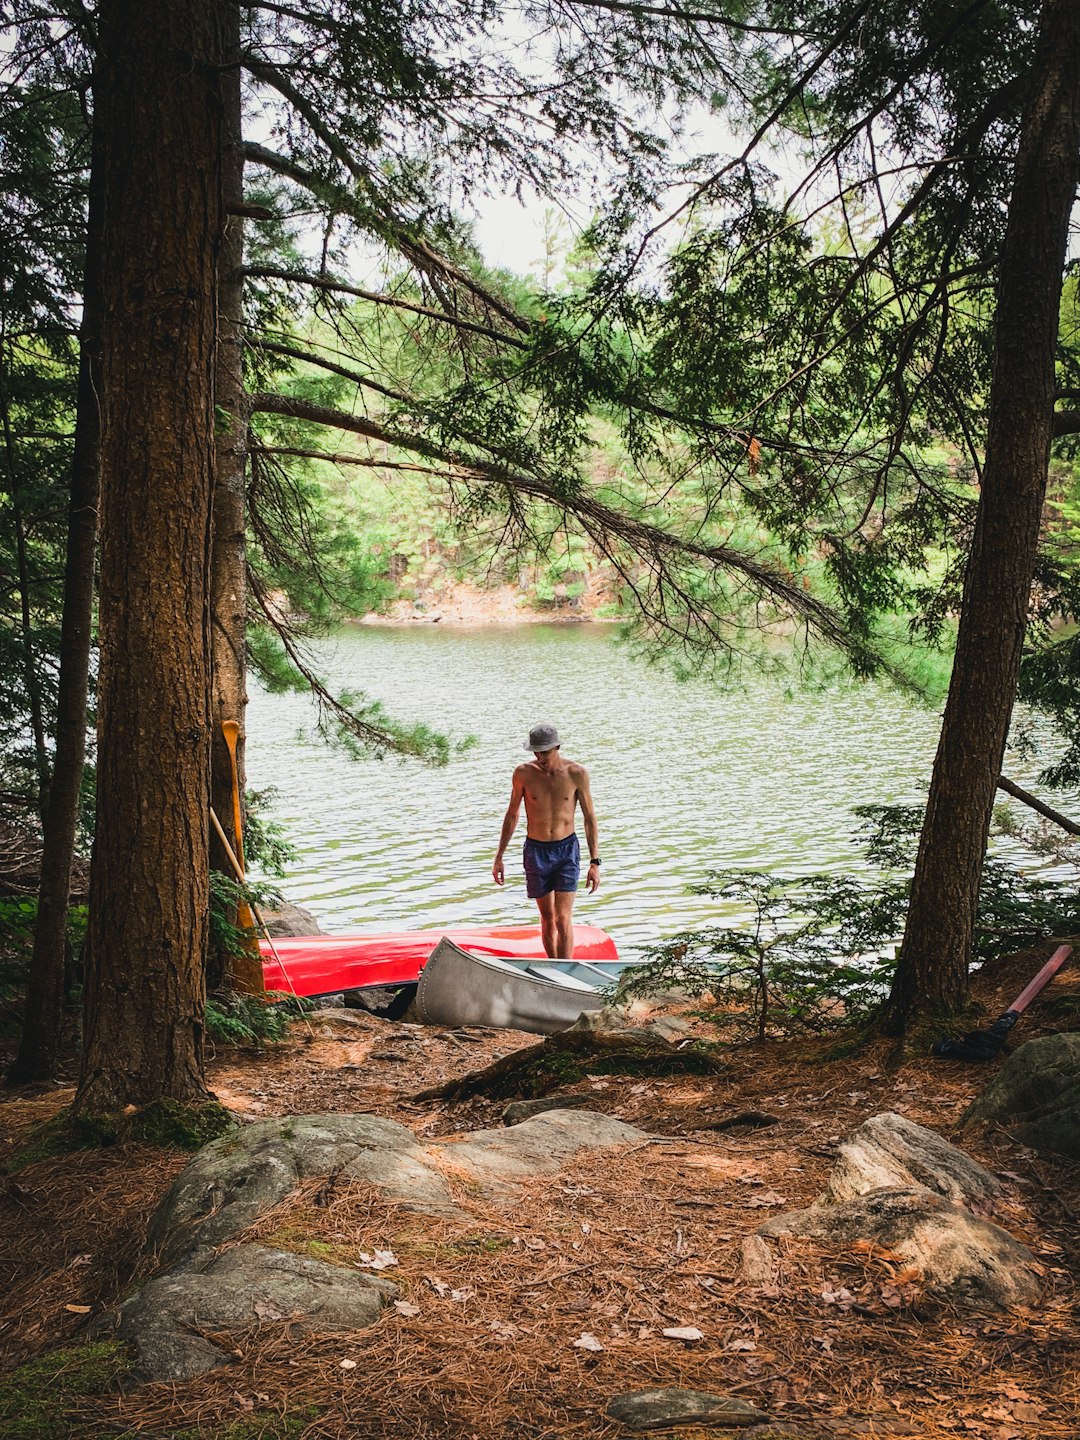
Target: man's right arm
<point>509,825</point>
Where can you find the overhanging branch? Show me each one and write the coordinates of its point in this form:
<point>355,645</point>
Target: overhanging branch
<point>607,527</point>
<point>326,282</point>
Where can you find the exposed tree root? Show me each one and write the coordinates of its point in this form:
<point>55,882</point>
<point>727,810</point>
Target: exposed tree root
<point>568,1057</point>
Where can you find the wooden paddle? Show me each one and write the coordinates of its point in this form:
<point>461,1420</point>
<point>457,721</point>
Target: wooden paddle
<point>245,971</point>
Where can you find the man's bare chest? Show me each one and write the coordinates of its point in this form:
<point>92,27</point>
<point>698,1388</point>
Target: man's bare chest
<point>556,794</point>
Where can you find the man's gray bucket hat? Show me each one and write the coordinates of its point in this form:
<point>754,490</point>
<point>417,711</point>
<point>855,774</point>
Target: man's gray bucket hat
<point>543,737</point>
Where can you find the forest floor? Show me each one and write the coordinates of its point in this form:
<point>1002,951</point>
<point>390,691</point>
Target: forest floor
<point>485,1340</point>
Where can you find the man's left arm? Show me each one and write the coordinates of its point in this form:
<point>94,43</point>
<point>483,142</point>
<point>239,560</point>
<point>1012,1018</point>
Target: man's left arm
<point>588,816</point>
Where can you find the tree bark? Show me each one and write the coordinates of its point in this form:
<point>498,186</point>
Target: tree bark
<point>39,1045</point>
<point>228,582</point>
<point>162,120</point>
<point>932,972</point>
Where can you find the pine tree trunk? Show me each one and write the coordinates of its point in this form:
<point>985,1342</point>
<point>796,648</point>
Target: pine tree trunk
<point>39,1046</point>
<point>161,116</point>
<point>932,972</point>
<point>228,585</point>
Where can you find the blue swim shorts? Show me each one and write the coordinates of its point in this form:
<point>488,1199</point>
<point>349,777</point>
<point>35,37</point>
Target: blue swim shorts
<point>551,865</point>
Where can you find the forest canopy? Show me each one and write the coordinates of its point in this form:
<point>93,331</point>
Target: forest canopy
<point>812,379</point>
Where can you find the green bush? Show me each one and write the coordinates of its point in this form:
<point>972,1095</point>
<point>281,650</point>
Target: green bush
<point>252,1020</point>
<point>817,952</point>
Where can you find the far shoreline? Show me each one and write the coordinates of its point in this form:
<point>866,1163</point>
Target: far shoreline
<point>466,606</point>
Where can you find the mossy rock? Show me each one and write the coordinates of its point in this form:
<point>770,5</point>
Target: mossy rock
<point>1036,1095</point>
<point>178,1126</point>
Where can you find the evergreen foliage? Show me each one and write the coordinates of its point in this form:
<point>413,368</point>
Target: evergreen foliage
<point>816,953</point>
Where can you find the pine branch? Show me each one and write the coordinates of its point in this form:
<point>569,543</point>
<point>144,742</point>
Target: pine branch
<point>1048,812</point>
<point>326,282</point>
<point>606,527</point>
<point>378,219</point>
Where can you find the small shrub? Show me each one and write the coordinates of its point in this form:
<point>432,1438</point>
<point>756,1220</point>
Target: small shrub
<point>252,1020</point>
<point>817,952</point>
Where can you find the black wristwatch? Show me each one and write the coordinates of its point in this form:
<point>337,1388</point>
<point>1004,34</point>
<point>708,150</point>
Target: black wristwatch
<point>594,860</point>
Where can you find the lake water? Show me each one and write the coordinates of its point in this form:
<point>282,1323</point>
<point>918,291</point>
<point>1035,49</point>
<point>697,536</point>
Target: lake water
<point>686,777</point>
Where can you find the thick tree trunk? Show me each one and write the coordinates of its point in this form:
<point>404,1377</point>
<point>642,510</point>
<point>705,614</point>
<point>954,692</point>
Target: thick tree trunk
<point>40,1042</point>
<point>228,585</point>
<point>30,665</point>
<point>932,973</point>
<point>161,115</point>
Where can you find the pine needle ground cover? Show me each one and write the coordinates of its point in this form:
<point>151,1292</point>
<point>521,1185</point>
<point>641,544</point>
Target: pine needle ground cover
<point>523,1322</point>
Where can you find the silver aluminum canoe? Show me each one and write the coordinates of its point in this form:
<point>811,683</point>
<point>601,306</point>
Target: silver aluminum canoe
<point>457,988</point>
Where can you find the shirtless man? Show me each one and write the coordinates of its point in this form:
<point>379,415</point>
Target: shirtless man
<point>552,788</point>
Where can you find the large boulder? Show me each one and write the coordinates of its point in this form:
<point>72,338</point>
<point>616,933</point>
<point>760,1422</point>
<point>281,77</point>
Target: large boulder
<point>888,1152</point>
<point>234,1180</point>
<point>960,1257</point>
<point>1036,1095</point>
<point>244,1286</point>
<point>540,1146</point>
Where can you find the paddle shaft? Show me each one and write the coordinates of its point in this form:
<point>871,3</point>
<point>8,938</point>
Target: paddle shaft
<point>1048,971</point>
<point>235,863</point>
<point>231,730</point>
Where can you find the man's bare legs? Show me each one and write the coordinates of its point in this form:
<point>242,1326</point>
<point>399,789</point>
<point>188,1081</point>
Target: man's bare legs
<point>557,923</point>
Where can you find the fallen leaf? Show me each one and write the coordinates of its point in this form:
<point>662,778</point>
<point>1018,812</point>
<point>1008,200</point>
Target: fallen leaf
<point>741,1345</point>
<point>504,1331</point>
<point>381,1260</point>
<point>440,1287</point>
<point>267,1310</point>
<point>683,1332</point>
<point>766,1198</point>
<point>347,1364</point>
<point>403,1307</point>
<point>78,1309</point>
<point>1011,1391</point>
<point>842,1297</point>
<point>587,1342</point>
<point>463,1294</point>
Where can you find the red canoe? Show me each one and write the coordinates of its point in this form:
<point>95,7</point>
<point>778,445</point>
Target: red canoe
<point>325,964</point>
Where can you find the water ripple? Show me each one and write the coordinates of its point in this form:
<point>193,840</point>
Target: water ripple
<point>686,778</point>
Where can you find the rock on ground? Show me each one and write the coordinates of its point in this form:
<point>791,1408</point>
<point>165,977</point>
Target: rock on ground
<point>540,1146</point>
<point>1036,1095</point>
<point>236,1179</point>
<point>889,1152</point>
<point>664,1408</point>
<point>519,1110</point>
<point>961,1258</point>
<point>289,920</point>
<point>232,1291</point>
